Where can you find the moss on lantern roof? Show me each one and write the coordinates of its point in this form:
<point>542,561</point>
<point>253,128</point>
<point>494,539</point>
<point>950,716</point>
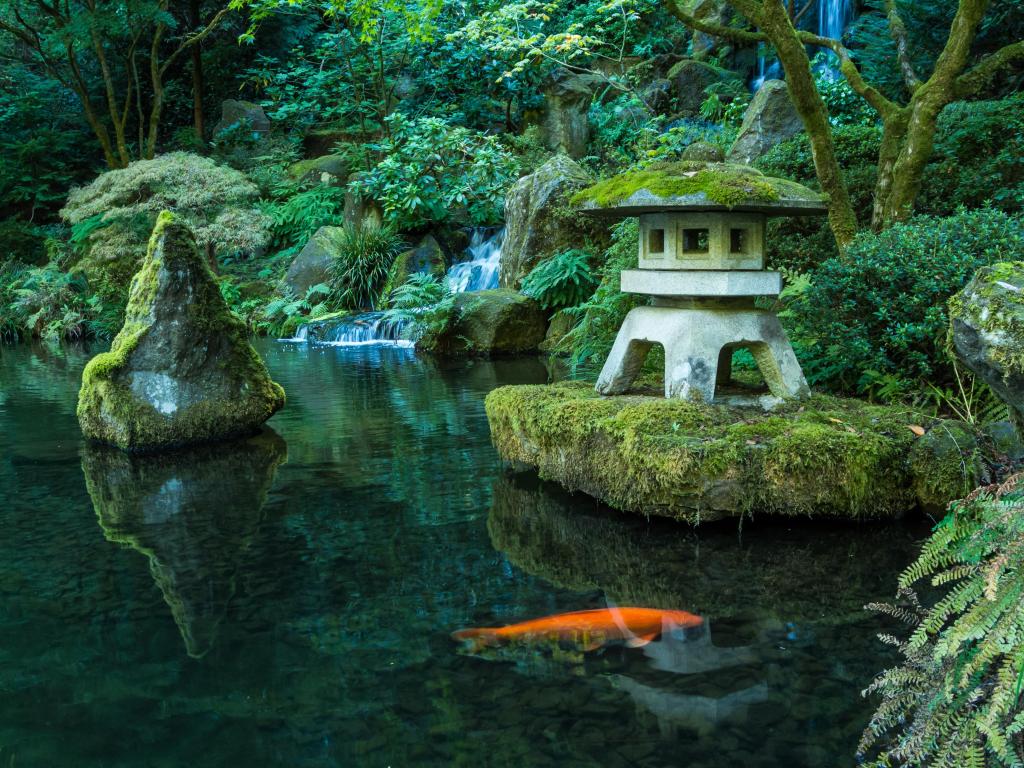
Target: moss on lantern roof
<point>698,185</point>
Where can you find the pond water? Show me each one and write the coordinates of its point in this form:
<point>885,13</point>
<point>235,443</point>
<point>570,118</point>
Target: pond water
<point>289,600</point>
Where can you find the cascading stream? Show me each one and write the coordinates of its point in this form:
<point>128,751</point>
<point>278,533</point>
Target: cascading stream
<point>833,17</point>
<point>478,273</point>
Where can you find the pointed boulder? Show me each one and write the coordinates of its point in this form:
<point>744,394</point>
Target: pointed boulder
<point>181,371</point>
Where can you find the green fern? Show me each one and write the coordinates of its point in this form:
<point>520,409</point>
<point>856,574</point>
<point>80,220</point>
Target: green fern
<point>955,699</point>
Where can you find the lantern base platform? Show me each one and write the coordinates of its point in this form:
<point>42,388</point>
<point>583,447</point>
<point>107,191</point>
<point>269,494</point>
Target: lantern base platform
<point>699,343</point>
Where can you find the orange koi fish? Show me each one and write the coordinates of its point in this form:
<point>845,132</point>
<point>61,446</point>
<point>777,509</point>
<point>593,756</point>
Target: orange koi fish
<point>588,630</point>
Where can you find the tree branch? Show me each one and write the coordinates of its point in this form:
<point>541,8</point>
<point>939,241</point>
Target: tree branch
<point>717,30</point>
<point>195,38</point>
<point>972,81</point>
<point>898,30</point>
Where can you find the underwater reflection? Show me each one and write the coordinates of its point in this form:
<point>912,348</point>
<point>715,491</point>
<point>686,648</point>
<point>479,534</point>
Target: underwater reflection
<point>769,574</point>
<point>193,514</point>
<point>769,598</point>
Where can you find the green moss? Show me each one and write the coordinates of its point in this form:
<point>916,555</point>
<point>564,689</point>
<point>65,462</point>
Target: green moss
<point>108,410</point>
<point>993,303</point>
<point>945,464</point>
<point>722,183</point>
<point>827,456</point>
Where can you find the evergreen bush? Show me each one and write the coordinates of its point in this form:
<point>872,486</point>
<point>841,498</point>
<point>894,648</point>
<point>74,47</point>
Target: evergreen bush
<point>881,311</point>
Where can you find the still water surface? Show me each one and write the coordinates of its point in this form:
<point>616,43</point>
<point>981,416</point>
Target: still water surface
<point>288,601</point>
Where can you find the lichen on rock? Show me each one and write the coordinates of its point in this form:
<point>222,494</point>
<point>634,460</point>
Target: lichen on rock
<point>489,323</point>
<point>827,457</point>
<point>987,331</point>
<point>181,370</point>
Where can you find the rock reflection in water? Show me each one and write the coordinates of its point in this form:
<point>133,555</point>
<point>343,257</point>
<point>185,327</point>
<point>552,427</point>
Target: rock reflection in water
<point>772,573</point>
<point>193,514</point>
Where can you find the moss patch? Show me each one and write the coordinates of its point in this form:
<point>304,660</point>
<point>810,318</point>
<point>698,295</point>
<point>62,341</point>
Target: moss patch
<point>824,457</point>
<point>722,183</point>
<point>180,332</point>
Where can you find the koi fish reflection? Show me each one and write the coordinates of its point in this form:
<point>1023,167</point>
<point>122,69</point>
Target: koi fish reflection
<point>585,630</point>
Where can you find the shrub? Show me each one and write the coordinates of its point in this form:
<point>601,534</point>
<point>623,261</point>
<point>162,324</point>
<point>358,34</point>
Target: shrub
<point>955,699</point>
<point>881,312</point>
<point>978,157</point>
<point>432,171</point>
<point>564,280</point>
<point>598,319</point>
<point>112,217</point>
<point>47,303</point>
<point>362,258</point>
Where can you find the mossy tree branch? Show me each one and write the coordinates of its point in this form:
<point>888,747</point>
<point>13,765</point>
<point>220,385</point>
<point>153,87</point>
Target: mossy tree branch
<point>908,131</point>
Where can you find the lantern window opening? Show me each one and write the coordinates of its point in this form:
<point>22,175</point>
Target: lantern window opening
<point>696,240</point>
<point>656,241</point>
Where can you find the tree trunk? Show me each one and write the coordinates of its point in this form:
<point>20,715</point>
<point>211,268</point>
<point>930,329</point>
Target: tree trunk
<point>894,134</point>
<point>197,74</point>
<point>775,22</point>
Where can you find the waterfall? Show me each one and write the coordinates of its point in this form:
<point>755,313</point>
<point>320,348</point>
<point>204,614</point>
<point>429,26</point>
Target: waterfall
<point>477,273</point>
<point>366,328</point>
<point>480,271</point>
<point>833,17</point>
<point>301,335</point>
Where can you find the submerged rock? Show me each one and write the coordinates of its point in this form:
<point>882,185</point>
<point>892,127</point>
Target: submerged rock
<point>538,220</point>
<point>828,457</point>
<point>497,322</point>
<point>192,513</point>
<point>987,327</point>
<point>181,370</point>
<point>770,119</point>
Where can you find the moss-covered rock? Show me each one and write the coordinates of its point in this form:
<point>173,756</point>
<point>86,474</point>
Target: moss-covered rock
<point>332,170</point>
<point>181,370</point>
<point>539,222</point>
<point>689,78</point>
<point>770,120</point>
<point>427,258</point>
<point>486,323</point>
<point>987,330</point>
<point>945,464</point>
<point>694,462</point>
<point>192,514</point>
<point>695,183</point>
<point>312,264</point>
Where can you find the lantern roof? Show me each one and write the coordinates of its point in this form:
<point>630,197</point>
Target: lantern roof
<point>693,185</point>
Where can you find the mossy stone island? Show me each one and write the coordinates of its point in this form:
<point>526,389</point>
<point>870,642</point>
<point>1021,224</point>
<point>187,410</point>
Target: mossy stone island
<point>698,462</point>
<point>181,371</point>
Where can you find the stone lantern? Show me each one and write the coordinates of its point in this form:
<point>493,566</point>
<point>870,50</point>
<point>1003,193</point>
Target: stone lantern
<point>702,244</point>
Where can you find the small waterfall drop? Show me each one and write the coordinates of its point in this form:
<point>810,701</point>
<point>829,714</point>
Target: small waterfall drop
<point>833,17</point>
<point>365,329</point>
<point>480,271</point>
<point>301,335</point>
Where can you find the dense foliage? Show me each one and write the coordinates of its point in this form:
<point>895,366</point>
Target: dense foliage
<point>564,280</point>
<point>362,259</point>
<point>954,699</point>
<point>432,172</point>
<point>881,312</point>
